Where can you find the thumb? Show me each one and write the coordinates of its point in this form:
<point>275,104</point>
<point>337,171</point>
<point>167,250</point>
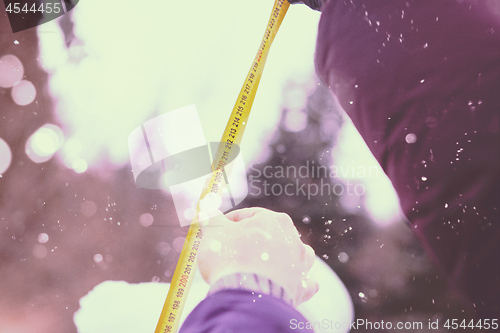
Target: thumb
<point>307,289</point>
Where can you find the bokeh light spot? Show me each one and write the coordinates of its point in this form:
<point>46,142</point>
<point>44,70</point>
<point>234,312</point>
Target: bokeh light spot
<point>411,138</point>
<point>98,258</point>
<point>39,251</point>
<point>146,219</point>
<point>71,156</point>
<point>44,142</point>
<point>43,238</point>
<point>72,146</point>
<point>11,71</point>
<point>178,243</point>
<point>163,248</point>
<point>79,165</point>
<point>23,93</point>
<point>5,156</point>
<point>88,208</point>
<point>343,257</point>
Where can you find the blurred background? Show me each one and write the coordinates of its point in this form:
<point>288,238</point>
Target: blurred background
<point>71,216</point>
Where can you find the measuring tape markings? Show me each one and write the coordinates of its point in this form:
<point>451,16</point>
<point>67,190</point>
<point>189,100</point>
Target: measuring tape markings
<point>186,266</point>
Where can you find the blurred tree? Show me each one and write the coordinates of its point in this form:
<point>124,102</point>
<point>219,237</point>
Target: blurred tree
<point>62,233</point>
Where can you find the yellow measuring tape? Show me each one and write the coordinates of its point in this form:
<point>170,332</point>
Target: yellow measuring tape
<point>186,266</point>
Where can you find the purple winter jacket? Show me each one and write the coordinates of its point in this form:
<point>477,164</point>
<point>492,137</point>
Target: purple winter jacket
<point>240,311</point>
<point>421,81</point>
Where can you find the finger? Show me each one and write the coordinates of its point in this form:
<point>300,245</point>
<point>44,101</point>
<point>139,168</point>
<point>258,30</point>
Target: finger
<point>308,256</point>
<point>308,288</point>
<point>275,223</point>
<point>244,213</point>
<point>288,227</point>
<point>210,217</point>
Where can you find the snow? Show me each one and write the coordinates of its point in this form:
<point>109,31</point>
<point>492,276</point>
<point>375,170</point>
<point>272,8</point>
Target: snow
<point>118,306</point>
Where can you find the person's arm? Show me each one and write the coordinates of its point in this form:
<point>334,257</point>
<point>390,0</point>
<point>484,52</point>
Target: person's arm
<point>314,4</point>
<point>420,81</point>
<point>257,268</point>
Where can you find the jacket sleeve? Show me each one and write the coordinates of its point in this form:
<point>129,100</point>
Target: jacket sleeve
<point>243,311</point>
<point>421,82</point>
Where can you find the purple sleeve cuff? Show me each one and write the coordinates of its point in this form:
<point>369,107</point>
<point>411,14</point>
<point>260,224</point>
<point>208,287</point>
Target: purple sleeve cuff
<point>243,311</point>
